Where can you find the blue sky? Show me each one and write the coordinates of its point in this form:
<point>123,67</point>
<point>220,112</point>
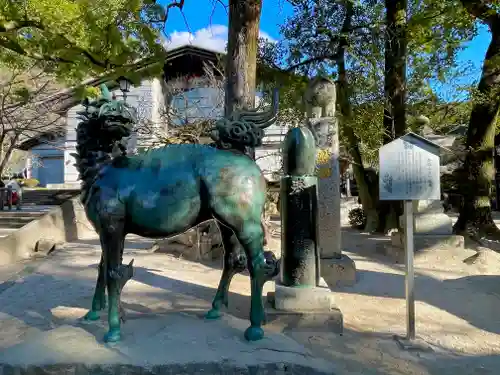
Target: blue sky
<point>205,25</point>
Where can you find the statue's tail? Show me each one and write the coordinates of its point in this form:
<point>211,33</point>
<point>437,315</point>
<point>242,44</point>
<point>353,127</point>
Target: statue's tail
<point>104,123</point>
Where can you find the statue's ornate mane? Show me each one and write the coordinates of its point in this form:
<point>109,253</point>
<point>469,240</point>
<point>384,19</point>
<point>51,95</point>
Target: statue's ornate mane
<point>245,128</point>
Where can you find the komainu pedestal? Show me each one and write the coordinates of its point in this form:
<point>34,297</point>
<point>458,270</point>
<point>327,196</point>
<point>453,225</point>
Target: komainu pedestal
<point>336,268</point>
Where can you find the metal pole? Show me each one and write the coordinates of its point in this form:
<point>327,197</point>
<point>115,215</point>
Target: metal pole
<point>410,273</point>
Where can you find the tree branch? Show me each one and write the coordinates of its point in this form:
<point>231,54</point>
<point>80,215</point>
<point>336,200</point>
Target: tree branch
<point>312,60</point>
<point>482,10</point>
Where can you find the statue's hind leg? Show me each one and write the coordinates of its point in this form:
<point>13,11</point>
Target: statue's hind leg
<point>262,268</point>
<point>99,300</point>
<point>235,261</point>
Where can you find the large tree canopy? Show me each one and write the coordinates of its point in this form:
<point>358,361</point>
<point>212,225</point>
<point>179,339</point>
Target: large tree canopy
<point>77,38</point>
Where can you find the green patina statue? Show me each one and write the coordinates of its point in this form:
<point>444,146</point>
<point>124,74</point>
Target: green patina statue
<point>166,191</point>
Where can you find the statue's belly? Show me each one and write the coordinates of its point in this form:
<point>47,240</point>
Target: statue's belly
<point>165,208</point>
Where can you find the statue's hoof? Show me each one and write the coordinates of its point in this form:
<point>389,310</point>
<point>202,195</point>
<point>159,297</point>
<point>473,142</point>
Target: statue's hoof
<point>114,335</point>
<point>213,314</point>
<point>91,316</point>
<point>254,333</point>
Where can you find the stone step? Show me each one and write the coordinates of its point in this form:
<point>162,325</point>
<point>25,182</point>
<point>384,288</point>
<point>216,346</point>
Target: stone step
<point>13,225</point>
<point>15,214</point>
<point>4,232</point>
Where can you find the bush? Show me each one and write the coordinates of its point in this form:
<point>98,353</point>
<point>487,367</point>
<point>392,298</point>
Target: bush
<point>29,182</point>
<point>357,218</point>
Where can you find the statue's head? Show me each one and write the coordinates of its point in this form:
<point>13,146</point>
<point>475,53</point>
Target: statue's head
<point>110,117</point>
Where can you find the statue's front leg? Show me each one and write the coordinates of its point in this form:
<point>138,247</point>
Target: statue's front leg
<point>117,278</point>
<point>99,300</point>
<point>113,240</point>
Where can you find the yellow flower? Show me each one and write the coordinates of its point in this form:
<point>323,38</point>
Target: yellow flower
<point>323,157</point>
<point>323,169</point>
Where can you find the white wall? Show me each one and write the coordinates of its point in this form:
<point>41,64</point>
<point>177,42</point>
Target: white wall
<point>139,97</point>
<point>268,156</point>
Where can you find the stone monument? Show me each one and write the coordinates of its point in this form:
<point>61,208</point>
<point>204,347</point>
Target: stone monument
<point>319,101</point>
<point>301,297</point>
<point>432,227</point>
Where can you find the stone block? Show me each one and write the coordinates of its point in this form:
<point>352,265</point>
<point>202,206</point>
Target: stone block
<point>338,271</point>
<point>306,309</point>
<point>197,244</point>
<point>303,298</point>
<point>427,206</point>
<point>430,223</point>
<point>161,345</point>
<point>433,224</point>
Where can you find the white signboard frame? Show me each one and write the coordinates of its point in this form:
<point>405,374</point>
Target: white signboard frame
<point>409,169</point>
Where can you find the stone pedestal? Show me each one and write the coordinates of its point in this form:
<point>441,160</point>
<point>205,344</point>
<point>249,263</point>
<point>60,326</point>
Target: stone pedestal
<point>329,230</point>
<point>429,218</point>
<point>309,309</point>
<point>336,268</point>
<point>433,230</point>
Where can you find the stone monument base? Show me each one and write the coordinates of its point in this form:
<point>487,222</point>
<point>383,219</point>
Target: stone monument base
<point>338,271</point>
<point>429,241</point>
<point>308,309</point>
<point>423,242</point>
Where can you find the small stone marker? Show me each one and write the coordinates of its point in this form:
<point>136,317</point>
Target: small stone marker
<point>409,171</point>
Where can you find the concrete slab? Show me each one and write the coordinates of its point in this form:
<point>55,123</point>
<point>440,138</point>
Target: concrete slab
<point>174,343</point>
<point>41,331</point>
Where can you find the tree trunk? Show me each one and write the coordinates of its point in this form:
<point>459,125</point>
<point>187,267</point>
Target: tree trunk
<point>7,155</point>
<point>241,63</point>
<point>475,213</point>
<point>367,199</point>
<point>395,93</point>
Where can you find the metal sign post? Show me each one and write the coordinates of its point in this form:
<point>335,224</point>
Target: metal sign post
<point>410,273</point>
